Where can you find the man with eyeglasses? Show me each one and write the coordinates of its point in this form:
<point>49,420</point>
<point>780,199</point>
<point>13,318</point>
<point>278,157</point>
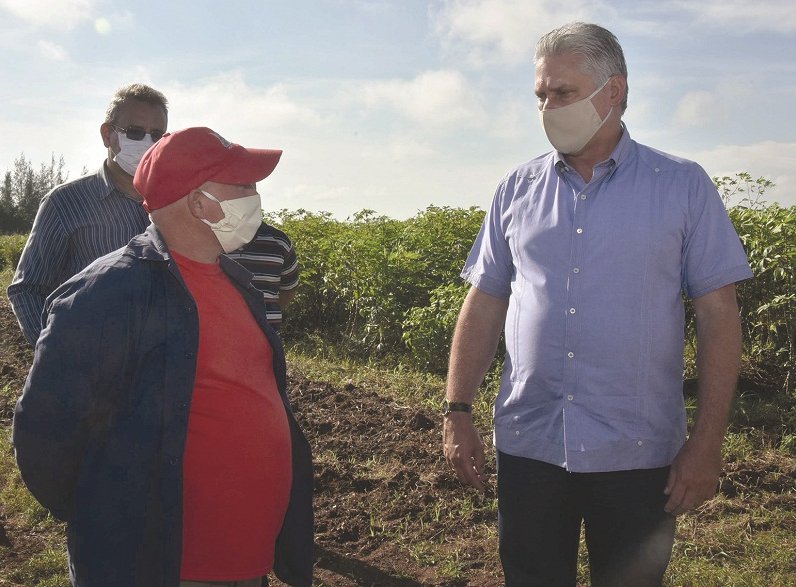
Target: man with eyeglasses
<point>82,220</point>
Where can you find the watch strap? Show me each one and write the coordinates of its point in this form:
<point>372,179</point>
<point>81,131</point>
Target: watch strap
<point>448,407</point>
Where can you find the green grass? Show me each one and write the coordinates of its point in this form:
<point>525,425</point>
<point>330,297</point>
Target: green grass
<point>45,569</point>
<point>6,275</point>
<point>11,246</point>
<point>47,565</point>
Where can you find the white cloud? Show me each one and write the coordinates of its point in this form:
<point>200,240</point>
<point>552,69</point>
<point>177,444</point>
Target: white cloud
<point>439,98</point>
<point>739,16</point>
<point>57,14</point>
<point>52,51</point>
<point>228,104</point>
<point>699,108</point>
<point>505,31</point>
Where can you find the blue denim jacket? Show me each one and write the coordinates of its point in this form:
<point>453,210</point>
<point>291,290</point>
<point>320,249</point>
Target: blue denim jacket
<point>100,428</point>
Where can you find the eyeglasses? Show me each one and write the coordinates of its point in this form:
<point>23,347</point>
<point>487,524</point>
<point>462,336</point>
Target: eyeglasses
<point>136,133</point>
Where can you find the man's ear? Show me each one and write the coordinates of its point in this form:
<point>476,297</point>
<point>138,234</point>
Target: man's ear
<point>618,89</point>
<point>105,131</point>
<point>197,204</point>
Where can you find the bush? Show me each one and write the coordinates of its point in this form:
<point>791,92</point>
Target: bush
<point>361,278</point>
<point>768,302</point>
<point>11,250</point>
<point>428,330</point>
<point>375,286</point>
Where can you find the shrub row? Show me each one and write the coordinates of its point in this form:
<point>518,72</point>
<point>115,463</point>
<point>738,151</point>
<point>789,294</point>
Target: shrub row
<point>373,285</point>
<point>10,250</point>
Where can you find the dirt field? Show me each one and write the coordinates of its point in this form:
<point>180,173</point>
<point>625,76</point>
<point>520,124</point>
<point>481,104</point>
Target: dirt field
<point>382,490</point>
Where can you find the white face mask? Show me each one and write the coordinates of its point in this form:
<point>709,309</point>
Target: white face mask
<point>570,127</point>
<point>242,218</point>
<point>130,152</point>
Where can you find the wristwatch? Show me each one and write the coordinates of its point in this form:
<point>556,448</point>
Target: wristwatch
<point>448,407</point>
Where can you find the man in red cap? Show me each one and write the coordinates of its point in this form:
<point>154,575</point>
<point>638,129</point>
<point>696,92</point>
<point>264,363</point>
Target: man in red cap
<point>154,420</point>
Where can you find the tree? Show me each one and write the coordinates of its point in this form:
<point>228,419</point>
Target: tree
<point>742,185</point>
<point>22,191</point>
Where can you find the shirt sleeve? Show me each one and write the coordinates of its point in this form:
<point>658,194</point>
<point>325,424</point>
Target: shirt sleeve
<point>40,269</point>
<point>713,255</point>
<point>489,266</point>
<point>289,277</point>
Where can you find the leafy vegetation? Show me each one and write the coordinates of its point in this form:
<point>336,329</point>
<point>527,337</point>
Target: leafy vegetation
<point>23,188</point>
<point>375,287</point>
<point>11,250</point>
<point>361,278</point>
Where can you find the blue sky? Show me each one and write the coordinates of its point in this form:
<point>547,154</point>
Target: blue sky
<point>396,105</point>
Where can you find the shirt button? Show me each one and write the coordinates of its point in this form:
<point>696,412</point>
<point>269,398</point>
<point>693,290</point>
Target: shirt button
<point>570,354</point>
<point>174,461</point>
<point>517,433</point>
<point>640,442</point>
<point>579,230</point>
<point>583,196</point>
<point>570,397</point>
<point>576,270</point>
<point>572,310</point>
<point>189,355</point>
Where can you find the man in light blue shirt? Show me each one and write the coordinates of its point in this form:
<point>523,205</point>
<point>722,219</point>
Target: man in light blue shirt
<point>582,261</point>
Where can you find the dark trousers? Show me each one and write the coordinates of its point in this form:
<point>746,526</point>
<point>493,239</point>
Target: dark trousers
<point>629,536</point>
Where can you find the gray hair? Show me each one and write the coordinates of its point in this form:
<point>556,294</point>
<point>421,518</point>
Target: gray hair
<point>601,51</point>
<point>140,92</point>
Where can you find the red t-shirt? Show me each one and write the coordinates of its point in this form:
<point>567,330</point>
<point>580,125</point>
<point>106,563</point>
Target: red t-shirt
<point>237,463</point>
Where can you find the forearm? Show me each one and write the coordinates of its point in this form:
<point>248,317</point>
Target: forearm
<point>286,296</point>
<point>474,344</point>
<point>718,363</point>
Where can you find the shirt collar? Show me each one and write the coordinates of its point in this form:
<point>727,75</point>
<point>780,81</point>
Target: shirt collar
<point>109,188</point>
<point>619,155</point>
<point>107,184</point>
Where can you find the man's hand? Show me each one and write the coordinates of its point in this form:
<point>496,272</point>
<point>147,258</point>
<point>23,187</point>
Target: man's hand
<point>694,476</point>
<point>463,448</point>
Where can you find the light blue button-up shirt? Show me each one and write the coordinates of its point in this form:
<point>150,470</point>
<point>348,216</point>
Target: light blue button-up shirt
<point>594,273</point>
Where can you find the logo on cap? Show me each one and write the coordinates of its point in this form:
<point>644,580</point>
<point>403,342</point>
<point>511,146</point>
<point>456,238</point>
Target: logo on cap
<point>221,139</point>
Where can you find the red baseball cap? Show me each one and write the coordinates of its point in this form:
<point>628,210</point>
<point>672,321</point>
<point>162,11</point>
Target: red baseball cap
<point>183,160</point>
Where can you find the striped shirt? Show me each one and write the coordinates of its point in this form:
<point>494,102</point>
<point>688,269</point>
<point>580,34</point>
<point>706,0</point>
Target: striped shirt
<point>76,223</point>
<point>272,261</point>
